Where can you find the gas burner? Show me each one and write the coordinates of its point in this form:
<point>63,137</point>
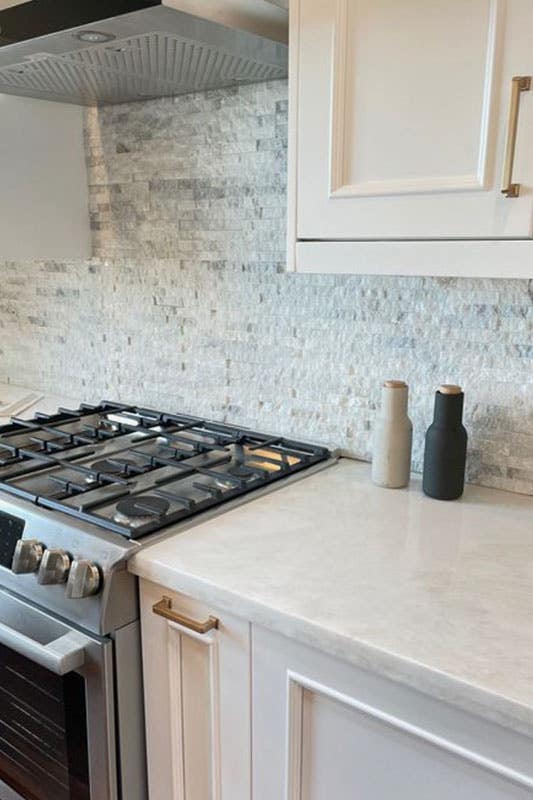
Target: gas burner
<point>108,425</point>
<point>242,471</point>
<point>109,467</point>
<point>140,510</point>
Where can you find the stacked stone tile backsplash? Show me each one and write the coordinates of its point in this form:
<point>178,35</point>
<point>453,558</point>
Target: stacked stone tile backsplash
<point>186,306</point>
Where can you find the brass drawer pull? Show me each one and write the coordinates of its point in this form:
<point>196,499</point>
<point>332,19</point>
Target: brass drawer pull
<point>520,83</point>
<point>164,609</point>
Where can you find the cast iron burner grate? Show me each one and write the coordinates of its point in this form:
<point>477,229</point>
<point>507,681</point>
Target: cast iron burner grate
<point>133,471</point>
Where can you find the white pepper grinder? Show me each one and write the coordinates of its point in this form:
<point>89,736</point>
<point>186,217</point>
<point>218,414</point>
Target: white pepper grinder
<point>393,438</point>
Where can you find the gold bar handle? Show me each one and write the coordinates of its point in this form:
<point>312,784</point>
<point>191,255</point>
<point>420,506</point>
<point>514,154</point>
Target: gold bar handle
<point>164,609</point>
<point>519,84</point>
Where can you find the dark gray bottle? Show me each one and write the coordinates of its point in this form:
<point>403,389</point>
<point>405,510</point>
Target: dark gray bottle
<point>445,451</point>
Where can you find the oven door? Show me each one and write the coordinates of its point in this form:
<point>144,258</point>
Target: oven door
<point>57,723</point>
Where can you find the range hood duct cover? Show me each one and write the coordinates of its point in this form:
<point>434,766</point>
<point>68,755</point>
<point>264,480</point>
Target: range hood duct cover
<point>155,51</point>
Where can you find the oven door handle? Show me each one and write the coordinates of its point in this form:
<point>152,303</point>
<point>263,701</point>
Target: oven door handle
<point>61,656</point>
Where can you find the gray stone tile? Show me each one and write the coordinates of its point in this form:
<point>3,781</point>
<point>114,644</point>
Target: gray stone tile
<point>186,304</point>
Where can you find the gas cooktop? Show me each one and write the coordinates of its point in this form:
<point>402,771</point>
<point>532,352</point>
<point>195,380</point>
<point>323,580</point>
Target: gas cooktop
<point>134,471</point>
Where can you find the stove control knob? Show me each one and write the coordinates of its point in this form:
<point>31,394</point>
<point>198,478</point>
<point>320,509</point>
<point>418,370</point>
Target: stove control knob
<point>27,557</point>
<point>55,566</point>
<point>83,580</point>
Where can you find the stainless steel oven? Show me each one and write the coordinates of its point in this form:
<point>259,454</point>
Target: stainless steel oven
<point>67,727</point>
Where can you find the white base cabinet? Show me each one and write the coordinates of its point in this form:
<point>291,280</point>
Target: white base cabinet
<point>197,702</point>
<point>325,730</point>
<point>241,713</point>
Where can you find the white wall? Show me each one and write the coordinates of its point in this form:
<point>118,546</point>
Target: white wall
<point>43,180</point>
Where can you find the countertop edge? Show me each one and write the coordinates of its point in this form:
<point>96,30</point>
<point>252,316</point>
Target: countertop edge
<point>442,686</point>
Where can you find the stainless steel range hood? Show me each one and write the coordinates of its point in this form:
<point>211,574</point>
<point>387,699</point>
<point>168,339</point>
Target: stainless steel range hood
<point>101,52</point>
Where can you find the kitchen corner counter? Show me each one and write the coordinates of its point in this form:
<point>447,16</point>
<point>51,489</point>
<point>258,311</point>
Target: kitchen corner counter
<point>436,595</point>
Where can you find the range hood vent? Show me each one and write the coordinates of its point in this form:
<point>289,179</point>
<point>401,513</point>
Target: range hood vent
<point>155,50</point>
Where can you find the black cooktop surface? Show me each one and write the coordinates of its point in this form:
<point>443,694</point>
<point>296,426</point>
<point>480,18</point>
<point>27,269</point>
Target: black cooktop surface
<point>133,470</point>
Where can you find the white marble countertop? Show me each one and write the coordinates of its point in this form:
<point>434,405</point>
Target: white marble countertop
<point>436,595</point>
<point>23,402</point>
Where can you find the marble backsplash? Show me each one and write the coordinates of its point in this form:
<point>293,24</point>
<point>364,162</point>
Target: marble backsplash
<point>186,304</point>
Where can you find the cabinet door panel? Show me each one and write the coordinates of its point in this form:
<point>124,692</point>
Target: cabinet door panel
<point>197,703</point>
<point>194,673</point>
<point>347,754</point>
<point>325,729</point>
<point>402,119</point>
<point>393,119</point>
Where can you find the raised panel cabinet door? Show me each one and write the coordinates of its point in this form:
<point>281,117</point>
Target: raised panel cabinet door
<point>403,113</point>
<point>347,752</point>
<point>324,729</point>
<point>197,702</point>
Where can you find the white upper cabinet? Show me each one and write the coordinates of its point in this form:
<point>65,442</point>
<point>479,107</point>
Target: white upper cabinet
<point>43,187</point>
<point>402,114</point>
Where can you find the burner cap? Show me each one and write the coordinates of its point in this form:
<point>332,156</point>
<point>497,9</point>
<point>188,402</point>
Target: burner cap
<point>238,470</point>
<point>242,471</point>
<point>143,506</point>
<point>111,467</point>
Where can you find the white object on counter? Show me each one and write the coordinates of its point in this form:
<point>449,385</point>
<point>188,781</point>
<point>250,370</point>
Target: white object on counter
<point>393,438</point>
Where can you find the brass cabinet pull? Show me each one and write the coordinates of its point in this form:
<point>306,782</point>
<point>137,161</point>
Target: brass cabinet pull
<point>519,84</point>
<point>164,609</point>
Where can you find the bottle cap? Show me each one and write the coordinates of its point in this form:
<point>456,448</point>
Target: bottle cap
<point>450,388</point>
<point>395,385</point>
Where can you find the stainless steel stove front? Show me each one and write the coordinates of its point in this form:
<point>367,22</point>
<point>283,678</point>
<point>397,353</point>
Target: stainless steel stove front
<point>95,639</point>
<point>113,606</point>
<point>71,708</point>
